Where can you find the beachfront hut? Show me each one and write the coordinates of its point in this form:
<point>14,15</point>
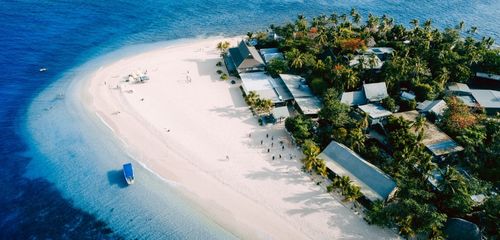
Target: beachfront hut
<point>374,183</point>
<point>245,58</point>
<point>306,102</point>
<point>437,142</point>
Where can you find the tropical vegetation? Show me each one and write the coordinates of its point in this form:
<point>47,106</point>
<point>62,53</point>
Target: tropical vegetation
<point>425,59</point>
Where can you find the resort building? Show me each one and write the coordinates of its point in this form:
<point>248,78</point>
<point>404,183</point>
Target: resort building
<point>486,81</point>
<point>458,229</point>
<point>408,96</point>
<point>372,58</point>
<point>266,87</point>
<point>376,113</point>
<point>484,98</point>
<point>367,62</point>
<point>437,142</point>
<point>436,107</point>
<point>370,93</point>
<point>354,98</point>
<point>269,54</point>
<point>487,99</point>
<point>244,58</point>
<point>375,92</point>
<point>374,183</point>
<point>304,99</point>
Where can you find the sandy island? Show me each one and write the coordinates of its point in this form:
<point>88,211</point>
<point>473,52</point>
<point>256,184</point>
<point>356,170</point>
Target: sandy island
<point>183,130</point>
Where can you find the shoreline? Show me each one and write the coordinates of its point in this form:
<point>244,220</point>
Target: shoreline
<point>241,194</point>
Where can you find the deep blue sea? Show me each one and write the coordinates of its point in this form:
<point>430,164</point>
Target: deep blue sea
<point>54,183</point>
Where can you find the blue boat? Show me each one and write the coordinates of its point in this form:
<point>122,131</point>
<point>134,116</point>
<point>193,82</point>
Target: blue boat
<point>128,173</point>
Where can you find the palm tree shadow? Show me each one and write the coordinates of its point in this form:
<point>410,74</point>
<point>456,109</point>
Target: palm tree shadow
<point>115,177</point>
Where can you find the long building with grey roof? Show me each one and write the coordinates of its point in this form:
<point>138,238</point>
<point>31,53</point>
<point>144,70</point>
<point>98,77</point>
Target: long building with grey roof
<point>374,183</point>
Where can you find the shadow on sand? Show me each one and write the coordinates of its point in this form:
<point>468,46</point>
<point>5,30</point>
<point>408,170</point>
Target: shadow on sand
<point>115,177</point>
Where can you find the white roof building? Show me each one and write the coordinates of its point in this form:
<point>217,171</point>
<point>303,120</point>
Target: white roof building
<point>265,86</point>
<point>375,92</point>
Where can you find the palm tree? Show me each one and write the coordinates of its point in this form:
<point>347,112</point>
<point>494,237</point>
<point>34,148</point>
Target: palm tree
<point>352,192</point>
<point>334,18</point>
<point>460,26</point>
<point>356,139</point>
<point>415,23</point>
<point>223,46</point>
<point>301,23</point>
<point>296,58</point>
<point>251,98</point>
<point>311,152</point>
<point>356,17</point>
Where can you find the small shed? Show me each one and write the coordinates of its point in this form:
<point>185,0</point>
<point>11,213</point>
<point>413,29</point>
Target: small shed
<point>437,107</point>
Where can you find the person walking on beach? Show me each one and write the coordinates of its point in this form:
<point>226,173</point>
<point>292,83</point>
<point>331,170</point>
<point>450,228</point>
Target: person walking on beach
<point>268,150</point>
<point>267,135</point>
<point>261,141</point>
<point>280,156</point>
<point>283,147</point>
<point>227,157</point>
<point>272,144</point>
<point>273,157</point>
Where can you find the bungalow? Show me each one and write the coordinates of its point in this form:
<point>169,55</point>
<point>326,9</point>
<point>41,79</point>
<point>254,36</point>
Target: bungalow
<point>375,92</point>
<point>269,54</point>
<point>487,99</point>
<point>376,113</point>
<point>436,107</point>
<point>379,54</point>
<point>374,183</point>
<point>458,229</point>
<point>306,102</point>
<point>486,81</point>
<point>437,142</point>
<point>244,58</point>
<point>371,92</point>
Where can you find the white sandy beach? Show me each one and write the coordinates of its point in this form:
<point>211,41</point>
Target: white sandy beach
<point>183,131</point>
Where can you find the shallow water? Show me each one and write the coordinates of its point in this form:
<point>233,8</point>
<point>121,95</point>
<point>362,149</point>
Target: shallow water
<point>71,183</point>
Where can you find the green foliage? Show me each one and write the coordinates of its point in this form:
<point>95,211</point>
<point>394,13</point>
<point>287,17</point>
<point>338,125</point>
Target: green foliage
<point>219,71</point>
<point>350,191</point>
<point>318,86</point>
<point>455,192</point>
<point>300,127</point>
<point>390,104</point>
<point>424,92</point>
<point>259,105</point>
<point>218,64</point>
<point>223,47</point>
<point>311,160</point>
<point>490,212</point>
<point>333,111</point>
<point>276,67</point>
